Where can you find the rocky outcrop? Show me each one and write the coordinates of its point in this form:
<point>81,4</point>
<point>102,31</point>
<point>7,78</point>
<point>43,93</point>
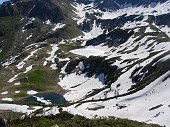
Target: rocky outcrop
<point>3,122</point>
<point>50,11</point>
<point>19,8</point>
<point>33,8</point>
<point>114,38</point>
<point>90,69</point>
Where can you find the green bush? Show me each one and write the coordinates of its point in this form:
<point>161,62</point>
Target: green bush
<point>67,120</point>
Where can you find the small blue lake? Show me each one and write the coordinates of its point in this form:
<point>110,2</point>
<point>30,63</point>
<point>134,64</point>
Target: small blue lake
<point>54,98</point>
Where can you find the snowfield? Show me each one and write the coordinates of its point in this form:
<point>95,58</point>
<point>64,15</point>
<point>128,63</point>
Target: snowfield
<point>159,9</point>
<point>89,51</point>
<point>80,85</point>
<point>19,108</point>
<point>151,104</point>
<point>138,106</point>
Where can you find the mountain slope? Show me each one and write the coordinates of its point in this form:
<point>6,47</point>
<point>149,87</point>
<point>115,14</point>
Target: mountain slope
<point>32,26</point>
<point>119,4</point>
<point>105,60</point>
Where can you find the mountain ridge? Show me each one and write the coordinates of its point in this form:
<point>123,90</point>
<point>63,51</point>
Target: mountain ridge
<point>119,4</point>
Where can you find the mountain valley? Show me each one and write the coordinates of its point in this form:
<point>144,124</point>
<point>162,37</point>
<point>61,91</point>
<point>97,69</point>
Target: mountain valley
<point>93,58</point>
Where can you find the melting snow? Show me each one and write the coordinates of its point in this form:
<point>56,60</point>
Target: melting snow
<point>54,66</point>
<point>29,37</point>
<point>136,105</point>
<point>19,108</point>
<point>157,10</point>
<point>4,93</point>
<point>52,54</point>
<point>32,92</point>
<point>41,99</point>
<point>17,92</point>
<point>28,69</point>
<point>13,78</point>
<point>148,30</point>
<point>81,86</point>
<point>48,22</point>
<point>58,26</point>
<point>7,99</point>
<point>22,63</point>
<point>17,84</point>
<point>89,51</point>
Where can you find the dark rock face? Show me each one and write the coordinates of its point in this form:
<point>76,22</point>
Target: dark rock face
<point>31,26</point>
<point>2,31</point>
<point>115,37</point>
<point>111,72</point>
<point>83,1</point>
<point>118,22</point>
<point>47,10</point>
<point>106,4</point>
<point>3,122</point>
<point>163,20</point>
<point>19,8</point>
<point>41,9</point>
<point>149,73</point>
<point>87,26</point>
<point>72,65</point>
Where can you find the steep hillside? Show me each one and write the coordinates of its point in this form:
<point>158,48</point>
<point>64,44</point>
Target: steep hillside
<point>27,22</point>
<point>96,58</point>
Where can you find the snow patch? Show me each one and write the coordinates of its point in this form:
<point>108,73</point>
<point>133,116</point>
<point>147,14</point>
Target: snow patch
<point>19,108</point>
<point>32,92</point>
<point>41,99</point>
<point>28,69</point>
<point>7,99</point>
<point>17,92</point>
<point>58,26</point>
<point>4,93</point>
<point>89,51</point>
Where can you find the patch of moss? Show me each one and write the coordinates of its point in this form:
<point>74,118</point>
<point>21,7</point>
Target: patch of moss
<point>63,55</point>
<point>39,79</point>
<point>40,76</point>
<point>63,51</point>
<point>69,47</point>
<point>28,86</point>
<point>20,95</point>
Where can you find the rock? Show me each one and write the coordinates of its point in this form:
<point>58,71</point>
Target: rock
<point>55,125</point>
<point>3,122</point>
